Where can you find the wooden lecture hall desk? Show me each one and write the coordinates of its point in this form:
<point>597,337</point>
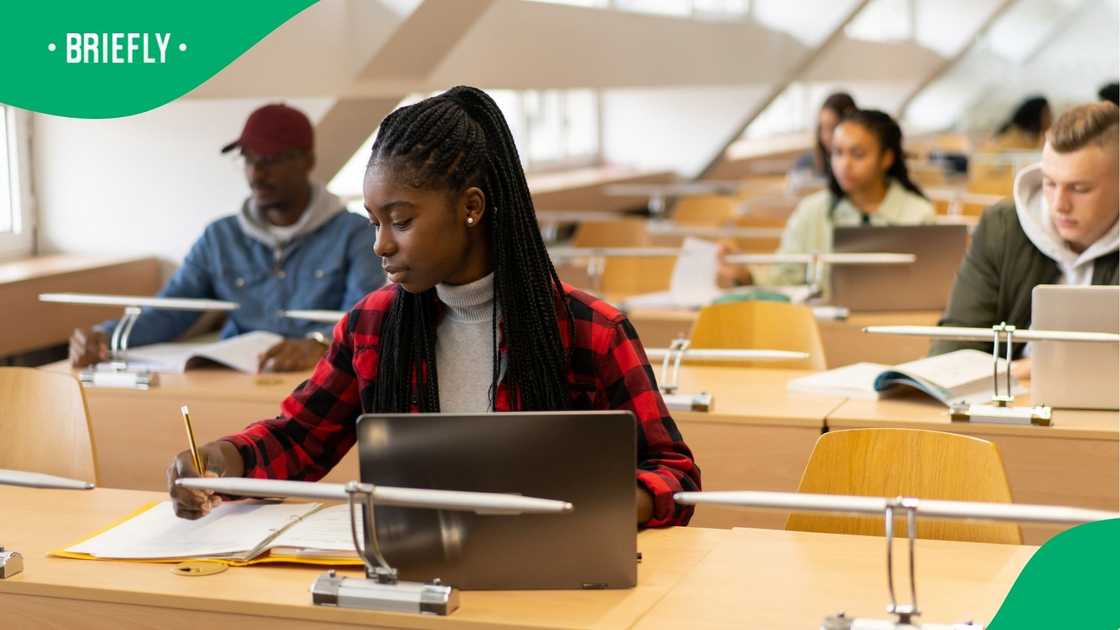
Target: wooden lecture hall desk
<point>689,578</point>
<point>21,282</point>
<point>776,579</point>
<point>136,433</point>
<point>757,437</point>
<point>844,340</point>
<point>1075,461</point>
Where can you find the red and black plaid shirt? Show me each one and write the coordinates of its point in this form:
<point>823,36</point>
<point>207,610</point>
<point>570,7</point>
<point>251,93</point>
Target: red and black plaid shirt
<point>608,370</point>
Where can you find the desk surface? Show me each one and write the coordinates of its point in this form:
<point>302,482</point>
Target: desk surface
<point>37,522</point>
<point>23,269</point>
<point>777,579</point>
<point>918,411</point>
<point>689,577</point>
<point>753,396</point>
<point>209,383</point>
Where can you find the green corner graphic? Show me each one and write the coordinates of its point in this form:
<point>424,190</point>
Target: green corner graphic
<point>1073,581</point>
<point>88,59</point>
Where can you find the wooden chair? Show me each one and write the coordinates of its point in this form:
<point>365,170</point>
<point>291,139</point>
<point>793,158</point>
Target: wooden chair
<point>628,232</point>
<point>906,462</point>
<point>623,277</point>
<point>705,210</point>
<point>45,424</point>
<point>761,324</point>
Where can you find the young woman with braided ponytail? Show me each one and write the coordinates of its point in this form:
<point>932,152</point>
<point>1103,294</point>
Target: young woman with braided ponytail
<point>471,287</point>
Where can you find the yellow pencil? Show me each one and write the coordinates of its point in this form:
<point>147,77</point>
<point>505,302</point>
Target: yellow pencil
<point>190,438</point>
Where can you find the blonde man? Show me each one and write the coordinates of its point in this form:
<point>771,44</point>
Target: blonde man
<point>1061,228</point>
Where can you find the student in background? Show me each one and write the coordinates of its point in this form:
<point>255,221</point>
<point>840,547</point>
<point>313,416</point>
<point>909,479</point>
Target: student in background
<point>476,319</point>
<point>868,184</point>
<point>1110,92</point>
<point>835,107</point>
<point>1061,228</point>
<point>292,245</point>
<point>1025,130</point>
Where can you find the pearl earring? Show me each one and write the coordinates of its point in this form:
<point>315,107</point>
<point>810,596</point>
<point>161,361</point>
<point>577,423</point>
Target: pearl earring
<point>470,220</point>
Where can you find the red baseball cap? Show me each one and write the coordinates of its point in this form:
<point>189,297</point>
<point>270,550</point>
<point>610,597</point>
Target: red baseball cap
<point>273,129</point>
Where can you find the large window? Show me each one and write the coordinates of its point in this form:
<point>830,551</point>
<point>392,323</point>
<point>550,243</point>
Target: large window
<point>15,216</point>
<point>553,130</point>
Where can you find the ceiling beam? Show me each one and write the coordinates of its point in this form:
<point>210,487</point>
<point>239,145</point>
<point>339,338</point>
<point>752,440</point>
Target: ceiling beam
<point>796,72</point>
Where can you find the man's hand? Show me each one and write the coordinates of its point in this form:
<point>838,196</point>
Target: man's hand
<point>220,459</point>
<point>87,347</point>
<point>292,355</point>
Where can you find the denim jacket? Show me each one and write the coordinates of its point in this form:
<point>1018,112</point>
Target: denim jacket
<point>330,267</point>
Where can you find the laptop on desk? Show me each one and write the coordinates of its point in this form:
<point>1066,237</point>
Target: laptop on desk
<point>585,458</point>
<point>923,285</point>
<point>1075,375</point>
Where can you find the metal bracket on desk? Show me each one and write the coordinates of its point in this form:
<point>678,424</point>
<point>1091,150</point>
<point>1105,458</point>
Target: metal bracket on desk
<point>904,613</point>
<point>380,589</point>
<point>668,382</point>
<point>814,273</point>
<point>116,372</point>
<point>1001,410</point>
<point>11,563</point>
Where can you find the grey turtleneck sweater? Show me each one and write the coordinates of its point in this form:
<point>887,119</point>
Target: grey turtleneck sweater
<point>464,346</point>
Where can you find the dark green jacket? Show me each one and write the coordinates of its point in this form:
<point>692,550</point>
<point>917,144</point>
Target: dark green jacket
<point>996,278</point>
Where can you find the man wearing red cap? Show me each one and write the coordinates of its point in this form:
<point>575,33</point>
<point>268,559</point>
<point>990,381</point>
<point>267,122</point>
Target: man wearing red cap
<point>292,246</point>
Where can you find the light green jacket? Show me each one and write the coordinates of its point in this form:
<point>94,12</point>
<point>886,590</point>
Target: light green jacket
<point>809,229</point>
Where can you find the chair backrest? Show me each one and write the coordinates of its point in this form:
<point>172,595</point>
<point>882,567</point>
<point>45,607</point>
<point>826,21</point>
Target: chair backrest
<point>906,462</point>
<point>626,276</point>
<point>628,232</point>
<point>764,325</point>
<point>705,210</point>
<point>45,424</point>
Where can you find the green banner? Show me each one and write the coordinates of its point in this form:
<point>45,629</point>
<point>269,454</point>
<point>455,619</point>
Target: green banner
<point>1073,581</point>
<point>88,59</point>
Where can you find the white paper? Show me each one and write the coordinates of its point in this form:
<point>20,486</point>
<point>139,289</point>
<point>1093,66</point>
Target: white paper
<point>230,529</point>
<point>694,274</point>
<point>327,530</point>
<point>240,353</point>
<point>854,381</point>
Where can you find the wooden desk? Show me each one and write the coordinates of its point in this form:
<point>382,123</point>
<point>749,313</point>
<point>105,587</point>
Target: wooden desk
<point>844,340</point>
<point>776,580</point>
<point>1074,462</point>
<point>137,433</point>
<point>757,437</point>
<point>583,189</point>
<point>102,595</point>
<point>21,282</point>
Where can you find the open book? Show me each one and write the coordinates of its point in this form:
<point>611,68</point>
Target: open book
<point>237,533</point>
<point>240,353</point>
<point>963,376</point>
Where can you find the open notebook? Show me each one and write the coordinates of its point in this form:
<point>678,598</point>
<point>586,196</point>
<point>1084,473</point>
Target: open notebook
<point>963,376</point>
<point>237,533</point>
<point>240,353</point>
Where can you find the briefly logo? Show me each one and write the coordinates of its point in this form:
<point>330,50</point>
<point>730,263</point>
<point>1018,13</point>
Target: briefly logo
<point>117,48</point>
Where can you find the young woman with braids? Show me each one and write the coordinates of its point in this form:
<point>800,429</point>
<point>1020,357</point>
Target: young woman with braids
<point>474,319</point>
<point>868,184</point>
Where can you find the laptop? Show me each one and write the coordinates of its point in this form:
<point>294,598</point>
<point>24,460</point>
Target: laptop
<point>586,458</point>
<point>1075,375</point>
<point>923,285</point>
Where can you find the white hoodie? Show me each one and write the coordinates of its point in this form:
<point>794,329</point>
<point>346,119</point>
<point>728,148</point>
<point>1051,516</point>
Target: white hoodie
<point>1034,216</point>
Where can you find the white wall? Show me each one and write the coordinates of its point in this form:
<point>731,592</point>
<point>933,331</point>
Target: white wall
<point>142,185</point>
<point>674,128</point>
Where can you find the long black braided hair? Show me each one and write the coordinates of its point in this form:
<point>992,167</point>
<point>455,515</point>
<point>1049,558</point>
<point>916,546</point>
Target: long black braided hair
<point>889,134</point>
<point>451,142</point>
